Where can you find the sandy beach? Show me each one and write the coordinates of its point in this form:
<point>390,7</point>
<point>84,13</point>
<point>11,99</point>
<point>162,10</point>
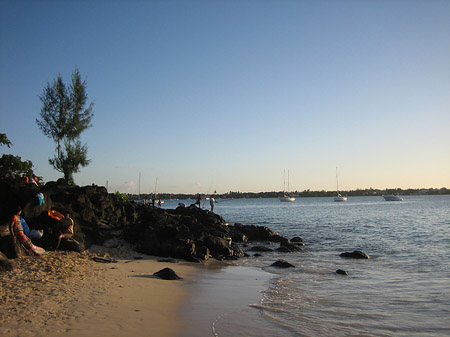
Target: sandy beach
<point>69,294</point>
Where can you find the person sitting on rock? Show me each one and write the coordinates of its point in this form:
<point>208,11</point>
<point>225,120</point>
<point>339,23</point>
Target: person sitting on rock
<point>17,232</point>
<point>65,229</point>
<point>31,233</point>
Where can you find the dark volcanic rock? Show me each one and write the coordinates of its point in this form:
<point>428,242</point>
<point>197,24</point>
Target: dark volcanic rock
<point>5,264</point>
<point>357,254</point>
<point>297,240</point>
<point>88,206</point>
<point>261,249</point>
<point>258,233</point>
<point>282,264</point>
<point>190,233</point>
<point>288,247</point>
<point>167,274</point>
<point>100,218</point>
<point>239,237</point>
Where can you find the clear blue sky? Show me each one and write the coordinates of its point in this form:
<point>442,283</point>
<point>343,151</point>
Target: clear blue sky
<point>225,95</point>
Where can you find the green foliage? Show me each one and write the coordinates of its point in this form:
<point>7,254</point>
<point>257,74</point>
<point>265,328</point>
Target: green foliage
<point>123,197</point>
<point>70,159</point>
<point>63,119</point>
<point>15,165</point>
<point>4,140</point>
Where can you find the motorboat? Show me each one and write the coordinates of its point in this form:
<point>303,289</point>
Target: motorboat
<point>392,197</point>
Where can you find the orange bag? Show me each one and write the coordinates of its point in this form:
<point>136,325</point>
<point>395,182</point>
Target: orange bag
<point>55,215</point>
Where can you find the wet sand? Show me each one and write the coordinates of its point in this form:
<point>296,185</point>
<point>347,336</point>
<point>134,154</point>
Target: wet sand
<point>224,301</point>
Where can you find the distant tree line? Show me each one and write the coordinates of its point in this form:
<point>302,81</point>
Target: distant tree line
<point>303,194</point>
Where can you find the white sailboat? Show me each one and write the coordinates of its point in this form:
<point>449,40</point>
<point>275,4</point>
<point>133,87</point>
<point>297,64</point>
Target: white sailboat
<point>286,197</point>
<point>338,197</point>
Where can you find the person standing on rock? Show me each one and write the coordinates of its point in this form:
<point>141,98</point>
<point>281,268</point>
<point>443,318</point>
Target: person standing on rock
<point>65,229</point>
<point>198,201</point>
<point>212,201</point>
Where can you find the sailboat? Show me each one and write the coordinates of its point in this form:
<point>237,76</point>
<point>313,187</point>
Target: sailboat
<point>158,201</point>
<point>339,197</point>
<point>286,197</point>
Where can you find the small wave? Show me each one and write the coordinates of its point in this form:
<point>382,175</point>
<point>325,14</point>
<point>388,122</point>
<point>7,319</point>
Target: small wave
<point>268,308</point>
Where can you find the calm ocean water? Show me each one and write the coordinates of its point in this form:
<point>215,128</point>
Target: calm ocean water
<point>403,290</point>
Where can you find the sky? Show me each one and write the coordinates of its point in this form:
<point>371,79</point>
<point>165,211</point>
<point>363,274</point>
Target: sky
<point>213,95</point>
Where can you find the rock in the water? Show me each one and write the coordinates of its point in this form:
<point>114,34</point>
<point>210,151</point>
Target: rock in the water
<point>261,249</point>
<point>257,233</point>
<point>289,247</point>
<point>282,264</point>
<point>298,240</point>
<point>167,274</point>
<point>357,254</point>
<point>283,249</point>
<point>341,272</point>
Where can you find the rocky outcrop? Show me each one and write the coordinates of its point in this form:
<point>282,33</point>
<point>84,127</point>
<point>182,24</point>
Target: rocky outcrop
<point>89,206</point>
<point>257,233</point>
<point>191,233</point>
<point>102,218</point>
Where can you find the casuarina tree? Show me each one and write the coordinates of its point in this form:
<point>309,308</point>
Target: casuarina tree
<point>64,116</point>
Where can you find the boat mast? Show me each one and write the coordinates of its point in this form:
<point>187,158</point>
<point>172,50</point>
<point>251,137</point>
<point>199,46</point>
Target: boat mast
<point>156,183</point>
<point>337,184</point>
<point>288,183</point>
<point>139,189</point>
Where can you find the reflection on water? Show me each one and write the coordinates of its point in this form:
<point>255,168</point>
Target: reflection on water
<point>404,289</point>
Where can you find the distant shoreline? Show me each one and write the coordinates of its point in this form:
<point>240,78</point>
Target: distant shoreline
<point>303,194</point>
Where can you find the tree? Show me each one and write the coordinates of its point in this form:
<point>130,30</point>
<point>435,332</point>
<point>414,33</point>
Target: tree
<point>63,119</point>
<point>4,140</point>
<point>14,165</point>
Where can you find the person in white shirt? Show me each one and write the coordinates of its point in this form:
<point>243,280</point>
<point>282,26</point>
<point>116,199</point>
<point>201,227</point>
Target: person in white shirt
<point>211,202</point>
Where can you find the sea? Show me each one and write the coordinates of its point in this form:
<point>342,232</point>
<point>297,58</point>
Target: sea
<point>402,290</point>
